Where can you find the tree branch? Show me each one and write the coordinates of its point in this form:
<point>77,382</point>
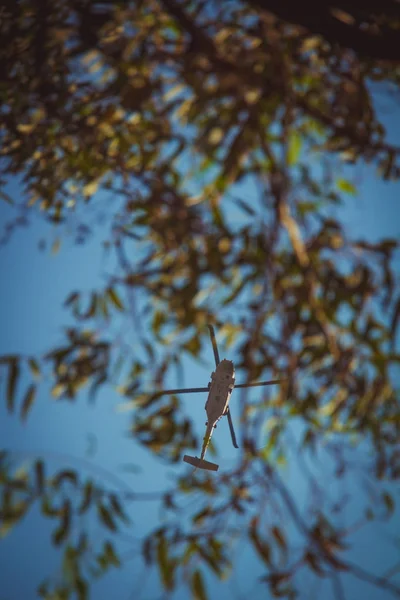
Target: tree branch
<point>320,19</point>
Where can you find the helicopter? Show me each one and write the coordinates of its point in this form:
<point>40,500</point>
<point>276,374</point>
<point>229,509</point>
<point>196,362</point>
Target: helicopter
<point>219,390</point>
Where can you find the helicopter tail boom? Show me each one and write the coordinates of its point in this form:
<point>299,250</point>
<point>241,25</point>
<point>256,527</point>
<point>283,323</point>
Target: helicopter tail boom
<point>200,463</point>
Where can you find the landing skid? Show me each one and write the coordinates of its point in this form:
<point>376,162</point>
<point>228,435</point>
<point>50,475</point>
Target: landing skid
<point>200,463</point>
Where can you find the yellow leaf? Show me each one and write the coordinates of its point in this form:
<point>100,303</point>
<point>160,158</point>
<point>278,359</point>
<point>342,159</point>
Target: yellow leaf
<point>26,127</point>
<point>252,96</point>
<point>115,299</point>
<point>56,246</point>
<point>224,245</point>
<point>215,136</point>
<point>91,188</point>
<point>89,56</point>
<point>343,16</point>
<point>107,129</point>
<point>174,91</point>
<point>57,390</point>
<point>310,43</point>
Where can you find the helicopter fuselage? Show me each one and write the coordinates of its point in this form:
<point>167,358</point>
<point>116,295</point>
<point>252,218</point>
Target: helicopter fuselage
<point>220,390</point>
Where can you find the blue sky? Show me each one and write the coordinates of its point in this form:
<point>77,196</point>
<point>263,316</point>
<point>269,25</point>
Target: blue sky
<point>35,285</point>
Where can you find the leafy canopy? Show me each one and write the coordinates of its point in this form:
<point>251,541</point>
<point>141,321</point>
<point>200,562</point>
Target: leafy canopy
<point>169,112</point>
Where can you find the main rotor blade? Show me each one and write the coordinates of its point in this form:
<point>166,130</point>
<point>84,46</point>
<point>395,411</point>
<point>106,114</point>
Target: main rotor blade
<point>233,435</point>
<point>182,391</point>
<point>214,344</point>
<point>246,385</point>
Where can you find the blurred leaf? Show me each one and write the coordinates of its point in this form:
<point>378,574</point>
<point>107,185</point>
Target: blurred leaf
<point>26,127</point>
<point>49,509</point>
<point>261,546</point>
<point>34,367</point>
<point>111,555</point>
<point>90,188</point>
<point>72,298</point>
<point>294,149</point>
<point>12,510</point>
<point>13,375</point>
<point>117,508</point>
<point>115,299</point>
<point>105,517</point>
<point>346,186</point>
<point>28,401</point>
<point>200,516</point>
<point>40,476</point>
<point>6,197</point>
<point>56,246</point>
<point>88,496</point>
<point>81,588</point>
<point>216,135</point>
<point>62,532</point>
<point>395,319</point>
<point>57,390</point>
<point>389,502</point>
<point>198,588</point>
<point>65,475</point>
<point>278,535</point>
<point>167,573</point>
<point>314,563</point>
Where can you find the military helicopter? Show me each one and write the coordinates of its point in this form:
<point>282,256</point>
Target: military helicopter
<point>217,405</point>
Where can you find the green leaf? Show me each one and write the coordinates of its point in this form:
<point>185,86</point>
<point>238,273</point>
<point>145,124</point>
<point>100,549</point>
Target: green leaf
<point>106,517</point>
<point>164,564</point>
<point>294,148</point>
<point>111,555</point>
<point>13,375</point>
<point>88,493</point>
<point>11,512</point>
<point>115,299</point>
<point>28,401</point>
<point>61,533</point>
<point>198,588</point>
<point>81,588</point>
<point>259,544</point>
<point>34,367</point>
<point>304,207</point>
<point>48,509</point>
<point>346,186</point>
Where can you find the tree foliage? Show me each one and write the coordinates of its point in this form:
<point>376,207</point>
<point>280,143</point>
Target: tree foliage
<point>166,111</point>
